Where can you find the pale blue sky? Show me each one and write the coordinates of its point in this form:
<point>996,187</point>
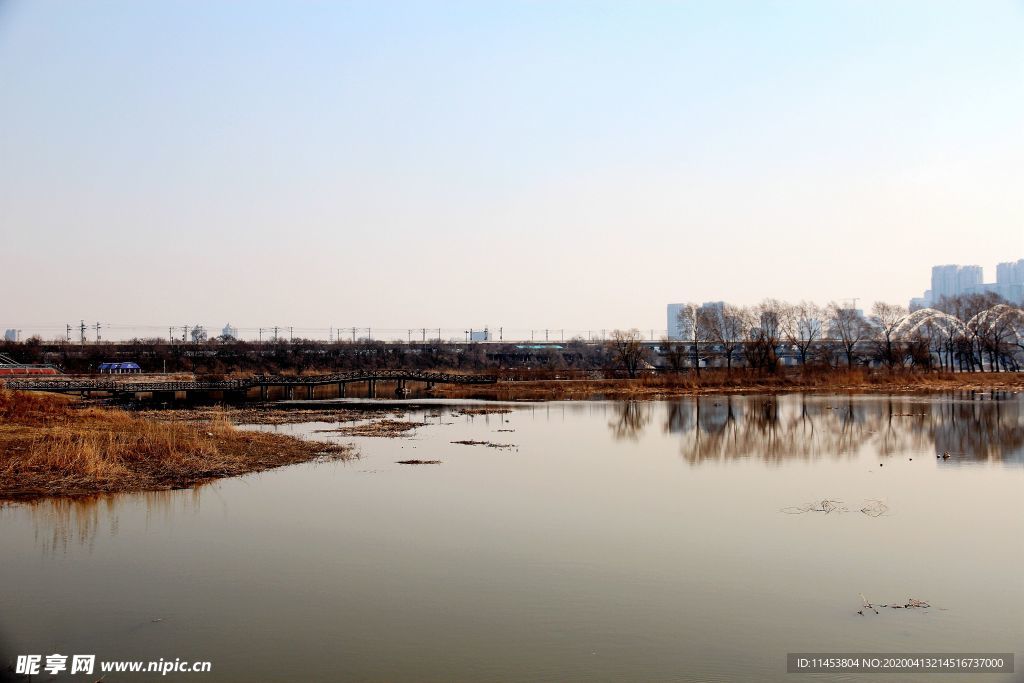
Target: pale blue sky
<point>523,164</point>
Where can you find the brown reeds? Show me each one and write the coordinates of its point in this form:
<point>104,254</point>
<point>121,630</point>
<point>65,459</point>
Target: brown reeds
<point>738,381</point>
<point>49,446</point>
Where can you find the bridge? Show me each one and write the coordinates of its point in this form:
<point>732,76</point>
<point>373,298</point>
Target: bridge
<point>240,388</point>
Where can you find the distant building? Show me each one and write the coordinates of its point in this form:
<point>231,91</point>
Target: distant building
<point>951,280</point>
<point>229,331</point>
<point>675,330</point>
<point>679,329</point>
<point>1009,282</point>
<point>11,335</point>
<point>480,335</point>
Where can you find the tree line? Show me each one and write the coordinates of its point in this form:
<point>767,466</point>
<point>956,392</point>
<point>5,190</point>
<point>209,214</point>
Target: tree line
<point>974,332</point>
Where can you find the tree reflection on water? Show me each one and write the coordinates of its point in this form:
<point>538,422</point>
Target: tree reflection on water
<point>968,427</point>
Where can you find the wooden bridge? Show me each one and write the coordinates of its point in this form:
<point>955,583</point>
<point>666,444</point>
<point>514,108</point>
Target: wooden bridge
<point>239,389</point>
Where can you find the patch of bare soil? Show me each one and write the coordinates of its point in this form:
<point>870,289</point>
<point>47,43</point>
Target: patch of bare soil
<point>382,428</point>
<point>480,411</point>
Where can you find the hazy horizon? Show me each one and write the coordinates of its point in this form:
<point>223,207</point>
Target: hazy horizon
<point>518,165</point>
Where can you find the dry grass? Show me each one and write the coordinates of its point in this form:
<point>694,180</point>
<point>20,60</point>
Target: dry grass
<point>49,446</point>
<point>737,382</point>
<point>265,415</point>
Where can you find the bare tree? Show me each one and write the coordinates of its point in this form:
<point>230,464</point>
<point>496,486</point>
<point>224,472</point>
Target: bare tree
<point>885,319</point>
<point>628,350</point>
<point>726,327</point>
<point>691,324</point>
<point>849,327</point>
<point>675,353</point>
<point>765,322</point>
<point>802,327</point>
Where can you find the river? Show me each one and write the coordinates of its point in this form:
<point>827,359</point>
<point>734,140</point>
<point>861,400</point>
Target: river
<point>635,541</point>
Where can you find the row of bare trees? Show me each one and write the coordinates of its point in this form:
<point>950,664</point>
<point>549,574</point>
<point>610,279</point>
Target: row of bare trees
<point>974,332</point>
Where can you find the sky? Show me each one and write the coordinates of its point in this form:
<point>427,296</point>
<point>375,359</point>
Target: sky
<point>518,164</point>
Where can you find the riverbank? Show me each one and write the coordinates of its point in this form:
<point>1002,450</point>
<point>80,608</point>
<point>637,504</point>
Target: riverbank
<point>656,387</point>
<point>53,446</point>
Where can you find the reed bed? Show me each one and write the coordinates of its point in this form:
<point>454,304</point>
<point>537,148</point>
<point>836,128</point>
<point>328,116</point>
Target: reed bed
<point>50,446</point>
<point>741,381</point>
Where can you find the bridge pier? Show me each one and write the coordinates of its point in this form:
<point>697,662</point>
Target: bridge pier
<point>289,392</point>
<point>341,389</point>
<point>309,392</point>
<point>371,388</point>
<point>400,389</point>
<point>264,392</point>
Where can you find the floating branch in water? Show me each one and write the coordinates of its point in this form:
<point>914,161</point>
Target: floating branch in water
<point>827,506</point>
<point>866,605</point>
<point>419,462</point>
<point>911,603</point>
<point>489,444</point>
<point>871,508</point>
<point>874,508</point>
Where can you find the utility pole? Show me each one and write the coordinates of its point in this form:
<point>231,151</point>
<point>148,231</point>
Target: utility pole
<point>290,331</point>
<point>81,329</point>
<point>424,335</point>
<point>97,332</point>
<point>69,332</point>
<point>170,335</point>
<point>501,334</point>
<point>353,335</point>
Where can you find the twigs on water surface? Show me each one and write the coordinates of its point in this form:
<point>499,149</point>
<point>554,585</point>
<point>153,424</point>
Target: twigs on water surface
<point>911,603</point>
<point>489,444</point>
<point>827,506</point>
<point>866,605</point>
<point>871,508</point>
<point>419,462</point>
<point>874,508</point>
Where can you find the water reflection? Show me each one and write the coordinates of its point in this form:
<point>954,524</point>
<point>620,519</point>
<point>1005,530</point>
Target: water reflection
<point>631,418</point>
<point>967,428</point>
<point>58,523</point>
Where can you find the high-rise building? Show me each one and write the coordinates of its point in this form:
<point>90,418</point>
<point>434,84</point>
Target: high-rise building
<point>675,330</point>
<point>950,280</point>
<point>678,329</point>
<point>1010,273</point>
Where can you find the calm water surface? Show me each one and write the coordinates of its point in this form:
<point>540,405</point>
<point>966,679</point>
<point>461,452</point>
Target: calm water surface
<point>610,541</point>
